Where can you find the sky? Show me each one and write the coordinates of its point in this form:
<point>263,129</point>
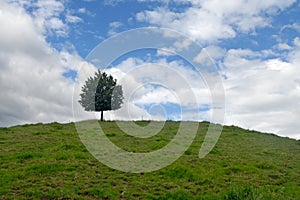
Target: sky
<point>49,47</point>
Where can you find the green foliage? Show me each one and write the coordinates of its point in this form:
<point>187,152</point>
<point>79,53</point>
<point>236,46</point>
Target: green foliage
<point>48,161</point>
<point>101,93</point>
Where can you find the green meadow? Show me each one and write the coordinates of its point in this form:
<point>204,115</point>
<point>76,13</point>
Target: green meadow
<point>49,161</point>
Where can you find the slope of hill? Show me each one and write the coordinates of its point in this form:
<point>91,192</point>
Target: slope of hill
<point>48,161</point>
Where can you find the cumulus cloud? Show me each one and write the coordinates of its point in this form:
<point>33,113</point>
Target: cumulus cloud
<point>51,17</point>
<point>47,17</point>
<point>263,94</point>
<point>214,53</point>
<point>283,46</point>
<point>211,20</point>
<point>33,88</point>
<point>114,27</point>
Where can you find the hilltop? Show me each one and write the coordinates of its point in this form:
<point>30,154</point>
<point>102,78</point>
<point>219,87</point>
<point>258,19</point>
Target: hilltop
<point>48,161</point>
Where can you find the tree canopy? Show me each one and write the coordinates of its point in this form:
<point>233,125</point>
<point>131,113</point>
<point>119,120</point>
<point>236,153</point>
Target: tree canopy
<point>101,93</point>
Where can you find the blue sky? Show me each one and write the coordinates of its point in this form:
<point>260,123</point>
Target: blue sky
<point>254,45</point>
<point>98,17</point>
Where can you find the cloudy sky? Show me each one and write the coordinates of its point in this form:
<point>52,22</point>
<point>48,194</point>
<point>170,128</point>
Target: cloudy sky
<point>254,45</point>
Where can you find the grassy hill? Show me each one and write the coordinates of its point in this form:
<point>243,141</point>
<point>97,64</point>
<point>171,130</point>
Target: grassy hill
<point>48,161</point>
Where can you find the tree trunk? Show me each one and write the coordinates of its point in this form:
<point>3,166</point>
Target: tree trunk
<point>101,115</point>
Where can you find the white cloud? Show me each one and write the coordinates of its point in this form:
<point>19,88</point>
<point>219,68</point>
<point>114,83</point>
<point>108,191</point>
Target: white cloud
<point>165,52</point>
<point>47,17</point>
<point>263,94</point>
<point>51,17</point>
<point>209,54</point>
<point>297,41</point>
<point>85,11</point>
<point>211,20</point>
<point>82,10</point>
<point>33,88</point>
<point>73,19</point>
<point>295,26</point>
<point>112,2</point>
<point>115,24</point>
<point>114,27</point>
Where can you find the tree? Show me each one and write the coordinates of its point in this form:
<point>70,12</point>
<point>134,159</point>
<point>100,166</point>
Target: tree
<point>101,93</point>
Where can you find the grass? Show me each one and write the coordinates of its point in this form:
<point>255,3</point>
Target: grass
<point>48,161</point>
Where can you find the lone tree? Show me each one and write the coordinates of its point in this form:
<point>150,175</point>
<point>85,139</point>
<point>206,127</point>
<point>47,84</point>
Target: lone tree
<point>101,93</point>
